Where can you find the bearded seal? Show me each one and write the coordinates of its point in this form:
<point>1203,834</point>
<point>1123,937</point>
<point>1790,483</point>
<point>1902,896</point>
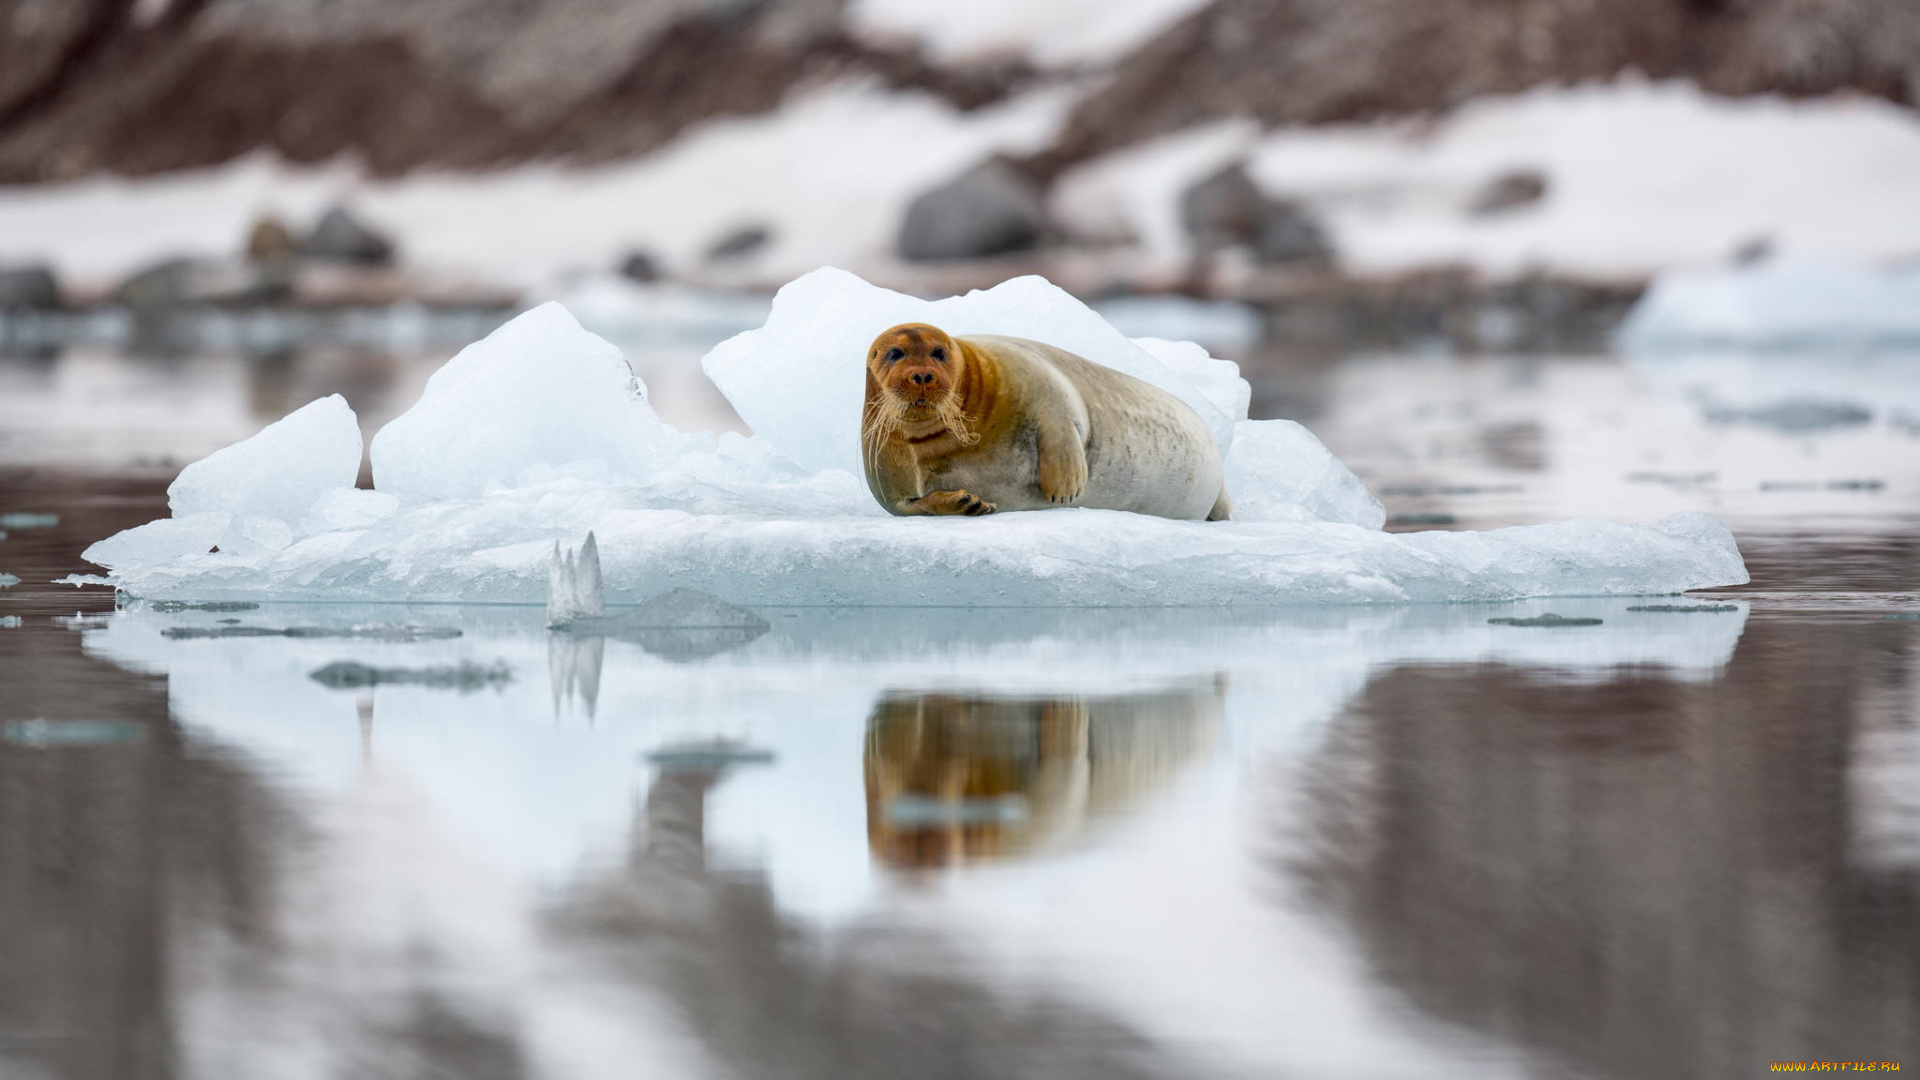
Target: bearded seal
<point>980,424</point>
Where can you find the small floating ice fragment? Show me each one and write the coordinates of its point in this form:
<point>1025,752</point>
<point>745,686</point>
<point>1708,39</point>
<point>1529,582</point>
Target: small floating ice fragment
<point>574,591</point>
<point>1784,305</point>
<point>464,677</point>
<point>921,810</point>
<point>10,621</point>
<point>8,581</point>
<point>1549,619</point>
<point>708,755</point>
<point>680,624</point>
<point>19,520</point>
<point>55,734</point>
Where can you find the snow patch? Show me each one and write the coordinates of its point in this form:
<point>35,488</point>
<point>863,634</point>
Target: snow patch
<point>805,170</point>
<point>1640,177</point>
<point>1056,33</point>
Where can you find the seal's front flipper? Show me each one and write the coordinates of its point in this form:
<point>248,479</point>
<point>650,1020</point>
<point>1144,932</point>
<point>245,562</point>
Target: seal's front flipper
<point>958,501</point>
<point>1063,465</point>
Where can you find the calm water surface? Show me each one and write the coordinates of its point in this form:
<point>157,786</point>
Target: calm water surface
<point>1270,843</point>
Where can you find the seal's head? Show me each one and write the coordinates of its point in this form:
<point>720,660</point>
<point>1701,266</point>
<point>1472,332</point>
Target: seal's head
<point>916,369</point>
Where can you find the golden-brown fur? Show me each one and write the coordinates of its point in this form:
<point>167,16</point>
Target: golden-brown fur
<point>975,425</point>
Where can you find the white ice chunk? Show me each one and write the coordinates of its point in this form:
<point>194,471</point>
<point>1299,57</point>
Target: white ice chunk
<point>1278,471</point>
<point>540,435</point>
<point>538,395</point>
<point>499,549</point>
<point>277,474</point>
<point>1788,305</point>
<point>799,381</point>
<point>574,591</point>
<point>1217,380</point>
<point>256,535</point>
<point>348,508</point>
<point>159,542</point>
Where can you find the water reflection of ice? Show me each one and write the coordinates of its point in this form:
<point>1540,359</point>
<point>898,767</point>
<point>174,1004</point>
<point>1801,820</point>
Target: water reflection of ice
<point>1126,890</point>
<point>533,775</point>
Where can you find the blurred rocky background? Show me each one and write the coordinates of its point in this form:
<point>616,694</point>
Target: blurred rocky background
<point>1493,173</point>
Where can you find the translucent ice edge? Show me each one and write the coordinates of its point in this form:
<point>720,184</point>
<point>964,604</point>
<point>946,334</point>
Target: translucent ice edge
<point>541,433</point>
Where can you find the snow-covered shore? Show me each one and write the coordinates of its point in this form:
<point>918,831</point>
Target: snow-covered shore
<point>1638,177</point>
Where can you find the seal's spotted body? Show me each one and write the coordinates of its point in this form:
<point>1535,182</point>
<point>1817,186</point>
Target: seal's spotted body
<point>987,423</point>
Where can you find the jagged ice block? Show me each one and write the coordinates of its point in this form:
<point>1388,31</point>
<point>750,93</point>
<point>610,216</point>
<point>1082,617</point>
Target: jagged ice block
<point>541,434</point>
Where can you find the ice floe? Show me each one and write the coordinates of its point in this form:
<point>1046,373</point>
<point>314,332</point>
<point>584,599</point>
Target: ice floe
<point>541,434</point>
<point>1798,305</point>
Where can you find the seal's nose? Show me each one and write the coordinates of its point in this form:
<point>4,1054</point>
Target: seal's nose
<point>922,378</point>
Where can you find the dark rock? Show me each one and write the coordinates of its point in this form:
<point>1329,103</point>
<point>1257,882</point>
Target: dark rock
<point>29,288</point>
<point>1290,235</point>
<point>639,266</point>
<point>1227,209</point>
<point>163,286</point>
<point>995,208</point>
<point>163,297</point>
<point>1223,209</point>
<point>340,237</point>
<point>1423,519</point>
<point>1754,251</point>
<point>1508,191</point>
<point>270,241</point>
<point>740,243</point>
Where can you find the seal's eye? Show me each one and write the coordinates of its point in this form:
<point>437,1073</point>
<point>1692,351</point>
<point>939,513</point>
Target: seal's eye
<point>895,354</point>
<point>940,355</point>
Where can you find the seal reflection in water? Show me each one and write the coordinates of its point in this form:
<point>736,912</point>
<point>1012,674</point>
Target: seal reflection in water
<point>986,423</point>
<point>952,779</point>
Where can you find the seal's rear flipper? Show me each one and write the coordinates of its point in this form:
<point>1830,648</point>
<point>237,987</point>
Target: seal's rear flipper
<point>1222,507</point>
<point>574,592</point>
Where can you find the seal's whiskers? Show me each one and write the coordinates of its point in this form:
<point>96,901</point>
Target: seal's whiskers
<point>957,420</point>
